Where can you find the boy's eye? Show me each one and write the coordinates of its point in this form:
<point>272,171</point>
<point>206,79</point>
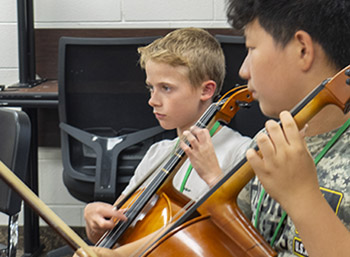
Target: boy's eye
<point>149,88</point>
<point>249,48</point>
<point>166,88</point>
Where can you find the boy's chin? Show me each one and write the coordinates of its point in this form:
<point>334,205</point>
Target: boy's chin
<point>165,126</point>
<point>269,112</point>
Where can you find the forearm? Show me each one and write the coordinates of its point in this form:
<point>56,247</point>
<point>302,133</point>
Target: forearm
<point>131,249</point>
<point>215,175</point>
<point>321,231</point>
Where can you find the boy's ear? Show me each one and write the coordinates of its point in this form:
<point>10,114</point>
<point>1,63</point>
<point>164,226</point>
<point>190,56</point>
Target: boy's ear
<point>305,48</point>
<point>208,90</point>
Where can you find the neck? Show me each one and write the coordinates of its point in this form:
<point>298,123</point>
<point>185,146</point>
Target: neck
<point>328,119</point>
<point>202,109</point>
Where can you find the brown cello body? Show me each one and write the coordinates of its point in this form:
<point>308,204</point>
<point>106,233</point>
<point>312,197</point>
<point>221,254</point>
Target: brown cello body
<point>202,237</point>
<point>157,214</point>
<point>217,229</point>
<point>219,226</point>
<point>167,204</point>
<point>221,229</point>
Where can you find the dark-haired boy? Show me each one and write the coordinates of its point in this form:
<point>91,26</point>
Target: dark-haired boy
<point>292,47</point>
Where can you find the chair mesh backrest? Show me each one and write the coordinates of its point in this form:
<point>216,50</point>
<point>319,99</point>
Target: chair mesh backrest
<point>102,91</point>
<point>14,150</point>
<point>102,87</point>
<point>104,74</point>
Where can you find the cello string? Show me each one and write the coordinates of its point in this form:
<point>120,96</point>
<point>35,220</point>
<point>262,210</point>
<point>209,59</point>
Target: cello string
<point>206,115</point>
<point>138,203</point>
<point>221,101</point>
<point>200,124</point>
<point>209,192</point>
<point>185,208</point>
<point>178,150</point>
<point>162,231</point>
<point>130,194</point>
<point>237,167</point>
<point>174,217</point>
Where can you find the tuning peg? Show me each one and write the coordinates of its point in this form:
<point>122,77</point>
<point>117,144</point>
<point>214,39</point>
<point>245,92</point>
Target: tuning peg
<point>243,104</point>
<point>347,72</point>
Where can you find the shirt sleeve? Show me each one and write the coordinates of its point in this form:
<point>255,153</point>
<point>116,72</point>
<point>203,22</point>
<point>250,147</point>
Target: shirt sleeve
<point>155,155</point>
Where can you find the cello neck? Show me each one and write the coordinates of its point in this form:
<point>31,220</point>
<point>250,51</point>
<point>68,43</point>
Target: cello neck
<point>223,110</point>
<point>224,193</point>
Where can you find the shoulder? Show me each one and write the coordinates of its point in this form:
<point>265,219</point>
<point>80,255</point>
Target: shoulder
<point>155,155</point>
<point>162,145</point>
<point>230,147</point>
<point>318,142</point>
<point>160,149</point>
<point>227,131</point>
<point>227,136</point>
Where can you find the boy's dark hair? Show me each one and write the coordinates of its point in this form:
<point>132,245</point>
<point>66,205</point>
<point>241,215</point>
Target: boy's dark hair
<point>327,22</point>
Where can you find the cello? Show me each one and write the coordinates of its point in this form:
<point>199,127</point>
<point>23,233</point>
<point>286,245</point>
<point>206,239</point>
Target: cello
<point>223,111</point>
<point>218,206</point>
<point>218,213</point>
<point>147,206</point>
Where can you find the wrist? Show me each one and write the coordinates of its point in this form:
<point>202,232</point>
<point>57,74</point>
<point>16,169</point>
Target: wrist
<point>302,204</point>
<point>212,177</point>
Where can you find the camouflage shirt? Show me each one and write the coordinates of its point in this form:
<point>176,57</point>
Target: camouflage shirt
<point>334,180</point>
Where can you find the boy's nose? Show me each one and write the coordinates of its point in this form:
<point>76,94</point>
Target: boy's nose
<point>244,70</point>
<point>153,100</point>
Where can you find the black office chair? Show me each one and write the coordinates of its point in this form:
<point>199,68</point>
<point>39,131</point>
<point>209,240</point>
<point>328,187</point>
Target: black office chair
<point>15,134</point>
<point>106,123</point>
<point>248,121</point>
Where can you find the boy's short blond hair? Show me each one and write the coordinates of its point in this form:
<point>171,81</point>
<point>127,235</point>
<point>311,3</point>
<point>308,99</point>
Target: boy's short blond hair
<point>193,48</point>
